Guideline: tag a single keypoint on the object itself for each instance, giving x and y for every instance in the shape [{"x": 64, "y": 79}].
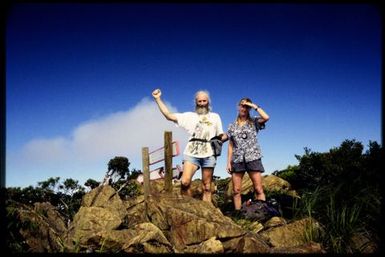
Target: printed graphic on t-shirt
[
  {"x": 202, "y": 127},
  {"x": 201, "y": 132}
]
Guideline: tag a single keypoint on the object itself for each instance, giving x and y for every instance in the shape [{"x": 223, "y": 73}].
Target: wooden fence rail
[{"x": 166, "y": 153}]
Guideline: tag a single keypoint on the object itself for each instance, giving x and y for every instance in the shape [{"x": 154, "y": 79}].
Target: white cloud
[
  {"x": 43, "y": 150},
  {"x": 124, "y": 133},
  {"x": 97, "y": 141}
]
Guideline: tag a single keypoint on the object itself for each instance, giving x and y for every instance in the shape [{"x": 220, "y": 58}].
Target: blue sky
[{"x": 79, "y": 79}]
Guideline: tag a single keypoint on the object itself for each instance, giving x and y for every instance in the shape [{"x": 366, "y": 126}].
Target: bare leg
[
  {"x": 256, "y": 178},
  {"x": 237, "y": 186},
  {"x": 189, "y": 170},
  {"x": 207, "y": 177}
]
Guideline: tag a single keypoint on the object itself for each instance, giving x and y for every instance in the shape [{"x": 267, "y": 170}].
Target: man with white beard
[{"x": 202, "y": 126}]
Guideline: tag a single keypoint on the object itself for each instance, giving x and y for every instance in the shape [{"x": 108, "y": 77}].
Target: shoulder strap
[{"x": 198, "y": 139}]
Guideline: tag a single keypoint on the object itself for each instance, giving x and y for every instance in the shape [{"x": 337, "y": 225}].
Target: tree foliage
[
  {"x": 119, "y": 165},
  {"x": 344, "y": 164},
  {"x": 334, "y": 183},
  {"x": 134, "y": 174},
  {"x": 91, "y": 183},
  {"x": 65, "y": 196}
]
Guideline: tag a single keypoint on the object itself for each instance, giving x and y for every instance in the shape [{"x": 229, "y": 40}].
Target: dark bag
[
  {"x": 216, "y": 145},
  {"x": 258, "y": 210}
]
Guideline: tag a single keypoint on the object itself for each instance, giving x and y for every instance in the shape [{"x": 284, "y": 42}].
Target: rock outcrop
[
  {"x": 269, "y": 182},
  {"x": 165, "y": 223}
]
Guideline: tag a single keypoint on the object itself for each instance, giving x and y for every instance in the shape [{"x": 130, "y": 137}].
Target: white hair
[{"x": 208, "y": 97}]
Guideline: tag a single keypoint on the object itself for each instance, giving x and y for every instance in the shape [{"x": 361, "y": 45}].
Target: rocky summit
[{"x": 165, "y": 223}]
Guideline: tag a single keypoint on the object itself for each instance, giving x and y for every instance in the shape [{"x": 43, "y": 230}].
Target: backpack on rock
[{"x": 258, "y": 210}]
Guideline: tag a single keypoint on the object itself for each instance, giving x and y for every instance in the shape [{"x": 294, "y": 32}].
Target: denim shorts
[
  {"x": 207, "y": 162},
  {"x": 255, "y": 165}
]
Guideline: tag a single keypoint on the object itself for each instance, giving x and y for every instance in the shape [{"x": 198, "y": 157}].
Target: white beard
[{"x": 201, "y": 110}]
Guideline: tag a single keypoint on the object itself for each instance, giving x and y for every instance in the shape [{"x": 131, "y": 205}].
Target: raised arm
[
  {"x": 264, "y": 116},
  {"x": 162, "y": 107}
]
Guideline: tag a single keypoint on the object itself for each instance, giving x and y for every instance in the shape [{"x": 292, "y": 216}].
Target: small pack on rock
[{"x": 257, "y": 210}]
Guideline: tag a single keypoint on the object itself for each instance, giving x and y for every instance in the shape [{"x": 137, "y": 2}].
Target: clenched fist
[{"x": 156, "y": 93}]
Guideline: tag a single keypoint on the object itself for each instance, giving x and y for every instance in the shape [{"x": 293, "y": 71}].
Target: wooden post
[
  {"x": 168, "y": 161},
  {"x": 146, "y": 174}
]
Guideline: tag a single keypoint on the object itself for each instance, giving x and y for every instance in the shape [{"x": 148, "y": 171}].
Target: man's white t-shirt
[{"x": 204, "y": 127}]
